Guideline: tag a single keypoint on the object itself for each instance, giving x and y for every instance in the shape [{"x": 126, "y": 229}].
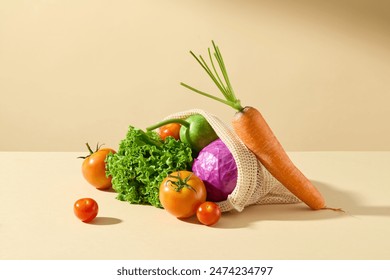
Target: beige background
[{"x": 77, "y": 71}]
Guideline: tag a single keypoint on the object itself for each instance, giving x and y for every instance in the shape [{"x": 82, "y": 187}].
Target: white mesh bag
[{"x": 255, "y": 185}]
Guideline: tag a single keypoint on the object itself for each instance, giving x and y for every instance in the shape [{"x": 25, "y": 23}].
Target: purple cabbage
[{"x": 217, "y": 168}]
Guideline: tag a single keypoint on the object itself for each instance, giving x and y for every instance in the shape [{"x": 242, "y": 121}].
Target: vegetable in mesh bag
[
  {"x": 255, "y": 185},
  {"x": 217, "y": 168}
]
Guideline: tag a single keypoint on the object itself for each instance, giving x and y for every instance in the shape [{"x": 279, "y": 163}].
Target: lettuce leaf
[{"x": 142, "y": 162}]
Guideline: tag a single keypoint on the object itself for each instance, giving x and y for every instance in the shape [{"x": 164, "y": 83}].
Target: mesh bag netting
[{"x": 255, "y": 185}]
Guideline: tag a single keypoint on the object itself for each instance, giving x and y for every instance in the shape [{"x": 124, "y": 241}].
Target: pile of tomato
[{"x": 182, "y": 193}]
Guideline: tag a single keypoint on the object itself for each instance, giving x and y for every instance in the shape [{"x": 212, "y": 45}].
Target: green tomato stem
[
  {"x": 89, "y": 148},
  {"x": 180, "y": 183}
]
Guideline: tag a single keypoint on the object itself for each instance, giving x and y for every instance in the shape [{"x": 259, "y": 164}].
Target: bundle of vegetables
[
  {"x": 239, "y": 167},
  {"x": 205, "y": 149},
  {"x": 142, "y": 162}
]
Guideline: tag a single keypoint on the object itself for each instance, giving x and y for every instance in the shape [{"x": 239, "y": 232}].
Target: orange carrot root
[
  {"x": 254, "y": 131},
  {"x": 333, "y": 209}
]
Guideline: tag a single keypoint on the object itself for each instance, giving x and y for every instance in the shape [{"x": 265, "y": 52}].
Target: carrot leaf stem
[
  {"x": 204, "y": 65},
  {"x": 222, "y": 66},
  {"x": 216, "y": 73},
  {"x": 229, "y": 103},
  {"x": 223, "y": 85}
]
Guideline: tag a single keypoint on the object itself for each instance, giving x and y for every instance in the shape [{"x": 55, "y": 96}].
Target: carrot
[{"x": 255, "y": 133}]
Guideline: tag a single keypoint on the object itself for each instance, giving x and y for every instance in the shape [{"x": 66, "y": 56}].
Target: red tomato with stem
[
  {"x": 86, "y": 209},
  {"x": 181, "y": 193},
  {"x": 172, "y": 129},
  {"x": 208, "y": 213},
  {"x": 94, "y": 167}
]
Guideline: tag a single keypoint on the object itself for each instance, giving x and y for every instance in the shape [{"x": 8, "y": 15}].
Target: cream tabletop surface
[{"x": 38, "y": 190}]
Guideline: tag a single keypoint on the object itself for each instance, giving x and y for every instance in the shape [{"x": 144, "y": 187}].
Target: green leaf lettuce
[{"x": 142, "y": 162}]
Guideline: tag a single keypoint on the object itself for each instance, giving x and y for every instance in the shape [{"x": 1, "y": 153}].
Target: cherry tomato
[
  {"x": 181, "y": 193},
  {"x": 172, "y": 129},
  {"x": 86, "y": 209},
  {"x": 208, "y": 213},
  {"x": 94, "y": 168}
]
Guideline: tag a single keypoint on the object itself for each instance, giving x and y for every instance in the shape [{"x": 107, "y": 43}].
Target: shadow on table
[
  {"x": 105, "y": 221},
  {"x": 349, "y": 202}
]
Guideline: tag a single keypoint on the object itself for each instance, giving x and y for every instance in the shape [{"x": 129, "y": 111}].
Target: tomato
[
  {"x": 86, "y": 209},
  {"x": 208, "y": 213},
  {"x": 181, "y": 193},
  {"x": 94, "y": 168},
  {"x": 171, "y": 129}
]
